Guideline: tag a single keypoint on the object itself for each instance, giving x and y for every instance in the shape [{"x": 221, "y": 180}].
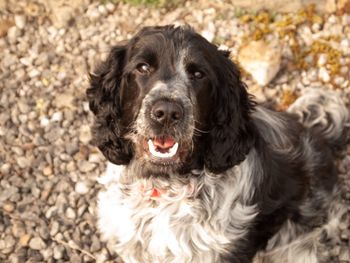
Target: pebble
[
  {"x": 58, "y": 252},
  {"x": 322, "y": 60},
  {"x": 37, "y": 243},
  {"x": 70, "y": 213},
  {"x": 324, "y": 75},
  {"x": 20, "y": 21},
  {"x": 12, "y": 34},
  {"x": 81, "y": 188},
  {"x": 85, "y": 134},
  {"x": 8, "y": 207},
  {"x": 24, "y": 240},
  {"x": 47, "y": 171},
  {"x": 7, "y": 244},
  {"x": 85, "y": 166},
  {"x": 23, "y": 162}
]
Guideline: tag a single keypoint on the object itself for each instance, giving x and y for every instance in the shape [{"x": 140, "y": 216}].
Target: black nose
[{"x": 167, "y": 112}]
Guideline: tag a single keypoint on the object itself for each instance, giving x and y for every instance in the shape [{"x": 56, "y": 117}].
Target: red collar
[{"x": 155, "y": 193}]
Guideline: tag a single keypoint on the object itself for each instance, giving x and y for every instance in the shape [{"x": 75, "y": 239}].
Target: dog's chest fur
[{"x": 192, "y": 220}]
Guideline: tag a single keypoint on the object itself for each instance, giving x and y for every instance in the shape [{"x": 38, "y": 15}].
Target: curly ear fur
[
  {"x": 104, "y": 101},
  {"x": 232, "y": 131}
]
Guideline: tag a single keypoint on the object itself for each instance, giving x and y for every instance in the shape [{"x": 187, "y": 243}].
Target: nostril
[
  {"x": 158, "y": 114},
  {"x": 176, "y": 115}
]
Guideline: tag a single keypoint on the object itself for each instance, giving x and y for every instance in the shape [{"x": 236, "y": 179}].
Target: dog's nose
[{"x": 167, "y": 112}]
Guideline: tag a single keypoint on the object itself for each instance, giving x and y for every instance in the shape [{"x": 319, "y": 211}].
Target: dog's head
[{"x": 171, "y": 101}]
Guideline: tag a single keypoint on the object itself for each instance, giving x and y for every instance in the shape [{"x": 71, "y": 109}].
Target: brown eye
[{"x": 143, "y": 68}]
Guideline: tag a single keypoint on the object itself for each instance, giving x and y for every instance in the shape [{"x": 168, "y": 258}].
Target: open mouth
[{"x": 163, "y": 147}]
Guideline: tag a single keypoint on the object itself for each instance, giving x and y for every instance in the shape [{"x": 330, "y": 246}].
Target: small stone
[
  {"x": 324, "y": 75},
  {"x": 57, "y": 116},
  {"x": 85, "y": 134},
  {"x": 322, "y": 60},
  {"x": 34, "y": 73},
  {"x": 345, "y": 43},
  {"x": 58, "y": 252},
  {"x": 64, "y": 100},
  {"x": 23, "y": 162},
  {"x": 54, "y": 228},
  {"x": 344, "y": 254},
  {"x": 44, "y": 122},
  {"x": 5, "y": 24},
  {"x": 24, "y": 240},
  {"x": 20, "y": 21},
  {"x": 261, "y": 59},
  {"x": 37, "y": 243},
  {"x": 12, "y": 35},
  {"x": 47, "y": 171},
  {"x": 70, "y": 213},
  {"x": 85, "y": 166},
  {"x": 103, "y": 10},
  {"x": 81, "y": 188},
  {"x": 96, "y": 244},
  {"x": 346, "y": 19},
  {"x": 76, "y": 259},
  {"x": 110, "y": 7},
  {"x": 62, "y": 16},
  {"x": 5, "y": 169},
  {"x": 339, "y": 80},
  {"x": 7, "y": 244},
  {"x": 8, "y": 207}
]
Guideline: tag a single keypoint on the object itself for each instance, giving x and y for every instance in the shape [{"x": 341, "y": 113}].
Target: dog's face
[{"x": 171, "y": 101}]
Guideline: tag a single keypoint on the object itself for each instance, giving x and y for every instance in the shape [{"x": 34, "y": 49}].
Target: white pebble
[
  {"x": 346, "y": 19},
  {"x": 102, "y": 9},
  {"x": 81, "y": 188},
  {"x": 345, "y": 43},
  {"x": 322, "y": 60},
  {"x": 33, "y": 73},
  {"x": 20, "y": 21},
  {"x": 110, "y": 7},
  {"x": 70, "y": 213},
  {"x": 44, "y": 121},
  {"x": 339, "y": 80},
  {"x": 324, "y": 75},
  {"x": 57, "y": 116}
]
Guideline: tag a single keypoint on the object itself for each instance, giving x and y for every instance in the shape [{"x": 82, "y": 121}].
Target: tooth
[{"x": 172, "y": 151}]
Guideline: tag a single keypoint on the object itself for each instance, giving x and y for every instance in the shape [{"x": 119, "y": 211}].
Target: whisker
[{"x": 200, "y": 131}]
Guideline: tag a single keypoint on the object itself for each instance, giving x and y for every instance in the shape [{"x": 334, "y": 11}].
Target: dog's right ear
[{"x": 104, "y": 101}]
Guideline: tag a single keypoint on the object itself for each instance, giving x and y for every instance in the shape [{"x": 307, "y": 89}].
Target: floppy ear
[
  {"x": 232, "y": 131},
  {"x": 104, "y": 101}
]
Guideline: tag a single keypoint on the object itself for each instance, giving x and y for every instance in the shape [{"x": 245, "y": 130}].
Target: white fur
[{"x": 177, "y": 226}]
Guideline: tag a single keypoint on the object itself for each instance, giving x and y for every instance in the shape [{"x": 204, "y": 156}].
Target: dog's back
[{"x": 325, "y": 119}]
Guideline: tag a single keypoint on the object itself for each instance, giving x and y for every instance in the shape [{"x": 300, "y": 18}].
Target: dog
[{"x": 198, "y": 171}]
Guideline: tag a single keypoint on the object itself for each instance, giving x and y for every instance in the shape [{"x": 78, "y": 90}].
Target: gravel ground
[{"x": 48, "y": 169}]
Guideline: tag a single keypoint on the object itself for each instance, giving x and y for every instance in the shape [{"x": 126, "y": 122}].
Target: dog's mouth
[{"x": 163, "y": 149}]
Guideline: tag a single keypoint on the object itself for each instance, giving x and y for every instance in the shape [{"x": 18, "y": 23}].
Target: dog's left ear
[
  {"x": 232, "y": 131},
  {"x": 105, "y": 102}
]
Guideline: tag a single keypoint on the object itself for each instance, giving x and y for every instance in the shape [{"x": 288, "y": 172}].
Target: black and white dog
[{"x": 200, "y": 172}]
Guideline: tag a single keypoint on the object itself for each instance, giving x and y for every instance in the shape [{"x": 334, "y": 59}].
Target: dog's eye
[
  {"x": 143, "y": 68},
  {"x": 198, "y": 74}
]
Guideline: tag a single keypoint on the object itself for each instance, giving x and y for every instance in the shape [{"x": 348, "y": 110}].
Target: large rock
[{"x": 260, "y": 59}]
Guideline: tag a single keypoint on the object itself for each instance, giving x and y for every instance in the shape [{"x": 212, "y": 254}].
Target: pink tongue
[{"x": 164, "y": 142}]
